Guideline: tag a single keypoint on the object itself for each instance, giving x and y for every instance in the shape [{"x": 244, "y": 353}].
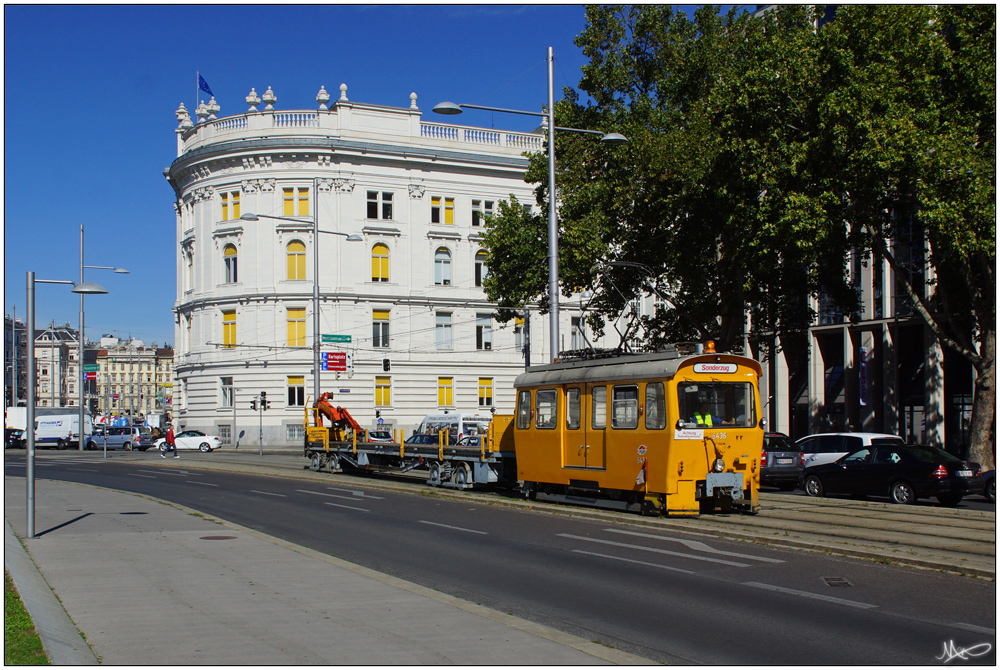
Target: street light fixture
[
  {"x": 82, "y": 397},
  {"x": 83, "y": 289},
  {"x": 611, "y": 139},
  {"x": 250, "y": 216}
]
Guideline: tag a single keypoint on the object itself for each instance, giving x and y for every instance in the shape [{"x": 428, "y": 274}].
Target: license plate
[
  {"x": 785, "y": 461},
  {"x": 964, "y": 473}
]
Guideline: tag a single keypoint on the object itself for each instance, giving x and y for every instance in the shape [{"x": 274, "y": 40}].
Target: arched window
[
  {"x": 442, "y": 267},
  {"x": 480, "y": 267},
  {"x": 296, "y": 260},
  {"x": 380, "y": 262},
  {"x": 229, "y": 256}
]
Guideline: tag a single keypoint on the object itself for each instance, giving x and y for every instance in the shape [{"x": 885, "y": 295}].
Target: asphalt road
[{"x": 671, "y": 597}]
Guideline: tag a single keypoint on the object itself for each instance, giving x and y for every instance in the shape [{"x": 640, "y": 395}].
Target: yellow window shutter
[
  {"x": 225, "y": 206},
  {"x": 236, "y": 205},
  {"x": 449, "y": 210},
  {"x": 289, "y": 201},
  {"x": 303, "y": 202},
  {"x": 380, "y": 315}
]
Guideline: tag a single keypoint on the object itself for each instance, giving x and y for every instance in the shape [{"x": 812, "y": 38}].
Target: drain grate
[
  {"x": 836, "y": 581},
  {"x": 218, "y": 537}
]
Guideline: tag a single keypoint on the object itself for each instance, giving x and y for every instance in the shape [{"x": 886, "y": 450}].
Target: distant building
[
  {"x": 134, "y": 380},
  {"x": 56, "y": 374},
  {"x": 15, "y": 354},
  {"x": 406, "y": 304}
]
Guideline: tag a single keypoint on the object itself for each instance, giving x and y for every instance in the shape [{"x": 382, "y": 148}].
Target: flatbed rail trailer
[{"x": 476, "y": 460}]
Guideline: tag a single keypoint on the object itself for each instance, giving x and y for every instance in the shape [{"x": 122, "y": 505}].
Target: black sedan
[{"x": 904, "y": 473}]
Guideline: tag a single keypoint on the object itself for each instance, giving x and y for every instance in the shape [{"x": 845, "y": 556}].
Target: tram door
[
  {"x": 574, "y": 437},
  {"x": 595, "y": 424}
]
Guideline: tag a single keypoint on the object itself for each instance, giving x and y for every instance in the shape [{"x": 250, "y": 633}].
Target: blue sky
[{"x": 89, "y": 122}]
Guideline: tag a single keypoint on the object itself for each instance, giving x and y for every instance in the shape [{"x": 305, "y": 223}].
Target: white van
[
  {"x": 457, "y": 424},
  {"x": 60, "y": 430}
]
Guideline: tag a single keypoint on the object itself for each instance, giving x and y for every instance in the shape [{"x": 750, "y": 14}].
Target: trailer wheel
[
  {"x": 317, "y": 463},
  {"x": 434, "y": 474},
  {"x": 462, "y": 476}
]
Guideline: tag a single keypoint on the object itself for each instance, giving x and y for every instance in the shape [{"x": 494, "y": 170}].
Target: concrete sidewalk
[{"x": 148, "y": 583}]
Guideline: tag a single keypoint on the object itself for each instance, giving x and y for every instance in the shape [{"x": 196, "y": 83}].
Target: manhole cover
[
  {"x": 836, "y": 581},
  {"x": 218, "y": 537}
]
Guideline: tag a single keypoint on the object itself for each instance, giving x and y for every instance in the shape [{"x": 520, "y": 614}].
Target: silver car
[{"x": 829, "y": 447}]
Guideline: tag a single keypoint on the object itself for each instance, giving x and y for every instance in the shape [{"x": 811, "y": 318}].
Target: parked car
[
  {"x": 110, "y": 437},
  {"x": 828, "y": 447},
  {"x": 142, "y": 438},
  {"x": 902, "y": 472},
  {"x": 13, "y": 438},
  {"x": 380, "y": 436},
  {"x": 780, "y": 462},
  {"x": 990, "y": 485},
  {"x": 191, "y": 439},
  {"x": 422, "y": 438}
]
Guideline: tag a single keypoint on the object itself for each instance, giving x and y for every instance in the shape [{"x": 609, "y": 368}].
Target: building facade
[
  {"x": 56, "y": 374},
  {"x": 405, "y": 306},
  {"x": 133, "y": 380},
  {"x": 15, "y": 352}
]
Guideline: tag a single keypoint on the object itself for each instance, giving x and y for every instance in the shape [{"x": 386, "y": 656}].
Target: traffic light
[
  {"x": 265, "y": 404},
  {"x": 253, "y": 405},
  {"x": 385, "y": 364}
]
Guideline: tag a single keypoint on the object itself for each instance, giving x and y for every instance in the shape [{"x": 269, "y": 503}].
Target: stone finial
[
  {"x": 413, "y": 101},
  {"x": 253, "y": 100},
  {"x": 269, "y": 98},
  {"x": 213, "y": 108},
  {"x": 322, "y": 98},
  {"x": 201, "y": 112},
  {"x": 183, "y": 118},
  {"x": 343, "y": 93}
]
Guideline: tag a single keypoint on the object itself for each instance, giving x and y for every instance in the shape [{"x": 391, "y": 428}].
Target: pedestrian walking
[{"x": 170, "y": 444}]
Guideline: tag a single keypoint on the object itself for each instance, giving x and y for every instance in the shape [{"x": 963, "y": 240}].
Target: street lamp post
[
  {"x": 450, "y": 108},
  {"x": 80, "y": 373},
  {"x": 250, "y": 216},
  {"x": 82, "y": 289}
]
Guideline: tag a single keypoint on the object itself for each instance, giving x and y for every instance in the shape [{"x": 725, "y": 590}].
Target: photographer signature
[{"x": 951, "y": 652}]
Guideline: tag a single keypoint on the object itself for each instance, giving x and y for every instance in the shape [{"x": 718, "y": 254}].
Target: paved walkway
[{"x": 151, "y": 583}]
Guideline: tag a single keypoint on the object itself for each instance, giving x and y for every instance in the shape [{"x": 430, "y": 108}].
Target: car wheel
[
  {"x": 127, "y": 446},
  {"x": 813, "y": 486},
  {"x": 950, "y": 499},
  {"x": 991, "y": 491},
  {"x": 61, "y": 445},
  {"x": 90, "y": 446},
  {"x": 902, "y": 493},
  {"x": 163, "y": 447},
  {"x": 205, "y": 447}
]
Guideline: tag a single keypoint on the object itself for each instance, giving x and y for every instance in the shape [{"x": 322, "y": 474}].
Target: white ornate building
[{"x": 409, "y": 296}]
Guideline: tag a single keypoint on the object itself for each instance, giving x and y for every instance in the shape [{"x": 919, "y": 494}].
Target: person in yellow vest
[{"x": 704, "y": 418}]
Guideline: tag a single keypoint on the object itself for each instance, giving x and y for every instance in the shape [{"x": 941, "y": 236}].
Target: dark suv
[{"x": 780, "y": 462}]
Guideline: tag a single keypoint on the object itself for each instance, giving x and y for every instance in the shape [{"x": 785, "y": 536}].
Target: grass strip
[{"x": 21, "y": 644}]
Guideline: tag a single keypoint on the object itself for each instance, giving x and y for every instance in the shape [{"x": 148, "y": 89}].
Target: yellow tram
[{"x": 677, "y": 432}]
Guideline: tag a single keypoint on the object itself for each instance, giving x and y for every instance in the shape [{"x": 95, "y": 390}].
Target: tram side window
[
  {"x": 656, "y": 406},
  {"x": 572, "y": 409},
  {"x": 599, "y": 414},
  {"x": 524, "y": 410},
  {"x": 545, "y": 409},
  {"x": 625, "y": 407}
]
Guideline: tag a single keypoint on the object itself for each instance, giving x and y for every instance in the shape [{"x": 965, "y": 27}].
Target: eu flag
[{"x": 203, "y": 85}]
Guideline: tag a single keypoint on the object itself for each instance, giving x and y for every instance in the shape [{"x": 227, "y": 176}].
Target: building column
[
  {"x": 816, "y": 384},
  {"x": 851, "y": 395},
  {"x": 933, "y": 429},
  {"x": 890, "y": 381}
]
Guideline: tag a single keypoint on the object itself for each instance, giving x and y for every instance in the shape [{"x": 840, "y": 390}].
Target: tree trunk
[{"x": 982, "y": 449}]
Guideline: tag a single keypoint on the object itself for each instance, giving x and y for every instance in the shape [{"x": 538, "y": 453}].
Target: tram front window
[{"x": 714, "y": 404}]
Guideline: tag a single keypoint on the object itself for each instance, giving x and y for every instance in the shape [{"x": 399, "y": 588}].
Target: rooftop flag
[{"x": 203, "y": 85}]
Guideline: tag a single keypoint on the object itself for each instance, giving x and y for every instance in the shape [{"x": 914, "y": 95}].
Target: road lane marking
[
  {"x": 359, "y": 494},
  {"x": 81, "y": 470},
  {"x": 972, "y": 628},
  {"x": 814, "y": 596},
  {"x": 191, "y": 481},
  {"x": 267, "y": 493},
  {"x": 695, "y": 545},
  {"x": 443, "y": 525},
  {"x": 655, "y": 550},
  {"x": 132, "y": 474},
  {"x": 360, "y": 509},
  {"x": 632, "y": 560},
  {"x": 161, "y": 472}
]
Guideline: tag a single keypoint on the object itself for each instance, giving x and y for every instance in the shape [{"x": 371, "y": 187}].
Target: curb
[{"x": 62, "y": 641}]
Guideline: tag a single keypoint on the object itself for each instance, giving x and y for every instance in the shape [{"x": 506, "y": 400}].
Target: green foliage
[{"x": 21, "y": 645}]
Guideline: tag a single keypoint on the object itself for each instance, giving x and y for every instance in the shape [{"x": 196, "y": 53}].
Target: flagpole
[{"x": 197, "y": 88}]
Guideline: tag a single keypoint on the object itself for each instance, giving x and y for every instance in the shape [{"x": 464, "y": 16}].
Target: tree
[{"x": 908, "y": 114}]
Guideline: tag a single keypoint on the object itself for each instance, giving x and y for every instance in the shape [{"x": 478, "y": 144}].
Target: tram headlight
[{"x": 718, "y": 465}]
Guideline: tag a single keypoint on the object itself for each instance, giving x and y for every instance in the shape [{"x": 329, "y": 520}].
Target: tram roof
[{"x": 631, "y": 366}]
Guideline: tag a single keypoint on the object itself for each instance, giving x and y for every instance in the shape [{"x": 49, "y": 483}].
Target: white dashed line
[
  {"x": 442, "y": 525},
  {"x": 630, "y": 560},
  {"x": 657, "y": 551},
  {"x": 267, "y": 493},
  {"x": 814, "y": 596}
]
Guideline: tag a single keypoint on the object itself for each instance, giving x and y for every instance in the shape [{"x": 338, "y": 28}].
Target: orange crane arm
[{"x": 338, "y": 416}]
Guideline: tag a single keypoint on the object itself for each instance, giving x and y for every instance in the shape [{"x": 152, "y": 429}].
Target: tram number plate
[
  {"x": 785, "y": 461},
  {"x": 964, "y": 473}
]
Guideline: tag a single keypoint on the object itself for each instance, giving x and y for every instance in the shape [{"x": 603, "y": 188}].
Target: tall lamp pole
[
  {"x": 250, "y": 216},
  {"x": 612, "y": 139},
  {"x": 82, "y": 289},
  {"x": 80, "y": 373}
]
